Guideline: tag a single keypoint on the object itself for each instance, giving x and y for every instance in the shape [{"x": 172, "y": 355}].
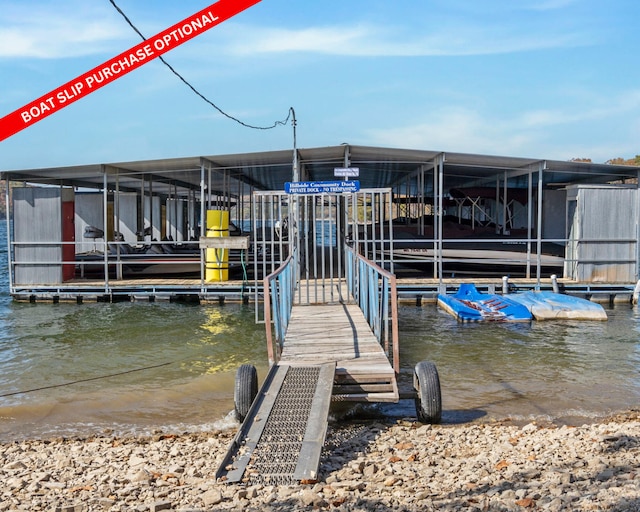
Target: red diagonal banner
[{"x": 121, "y": 65}]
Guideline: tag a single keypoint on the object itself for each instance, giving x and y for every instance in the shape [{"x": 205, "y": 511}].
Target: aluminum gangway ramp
[
  {"x": 281, "y": 439},
  {"x": 329, "y": 354}
]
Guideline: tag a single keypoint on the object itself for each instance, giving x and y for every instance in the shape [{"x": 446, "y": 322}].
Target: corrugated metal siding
[
  {"x": 605, "y": 225},
  {"x": 175, "y": 219},
  {"x": 128, "y": 216},
  {"x": 38, "y": 222},
  {"x": 553, "y": 214},
  {"x": 89, "y": 212}
]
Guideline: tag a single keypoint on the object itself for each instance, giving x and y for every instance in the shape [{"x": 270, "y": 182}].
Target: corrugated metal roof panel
[{"x": 380, "y": 167}]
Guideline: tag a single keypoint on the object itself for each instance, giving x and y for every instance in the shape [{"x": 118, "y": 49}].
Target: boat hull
[
  {"x": 469, "y": 305},
  {"x": 556, "y": 306}
]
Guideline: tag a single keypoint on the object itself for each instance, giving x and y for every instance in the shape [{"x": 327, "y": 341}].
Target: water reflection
[
  {"x": 230, "y": 339},
  {"x": 97, "y": 364},
  {"x": 551, "y": 369},
  {"x": 142, "y": 365}
]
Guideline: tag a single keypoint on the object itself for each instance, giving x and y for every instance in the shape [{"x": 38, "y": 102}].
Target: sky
[{"x": 548, "y": 79}]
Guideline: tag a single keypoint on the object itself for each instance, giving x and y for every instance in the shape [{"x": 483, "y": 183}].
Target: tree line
[{"x": 613, "y": 161}]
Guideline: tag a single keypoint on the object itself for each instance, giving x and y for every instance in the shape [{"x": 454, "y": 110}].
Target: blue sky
[{"x": 552, "y": 79}]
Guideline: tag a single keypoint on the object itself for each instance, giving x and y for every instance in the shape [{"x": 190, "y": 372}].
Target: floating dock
[
  {"x": 410, "y": 290},
  {"x": 436, "y": 214}
]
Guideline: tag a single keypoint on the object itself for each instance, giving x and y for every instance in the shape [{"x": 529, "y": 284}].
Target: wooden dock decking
[{"x": 339, "y": 333}]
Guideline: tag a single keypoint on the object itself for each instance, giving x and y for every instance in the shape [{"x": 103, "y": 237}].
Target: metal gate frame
[{"x": 317, "y": 227}]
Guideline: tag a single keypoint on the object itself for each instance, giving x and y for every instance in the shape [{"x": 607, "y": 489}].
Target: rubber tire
[
  {"x": 245, "y": 391},
  {"x": 429, "y": 398}
]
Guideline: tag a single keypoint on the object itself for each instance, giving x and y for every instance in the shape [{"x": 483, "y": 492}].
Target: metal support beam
[
  {"x": 529, "y": 223},
  {"x": 637, "y": 274},
  {"x": 438, "y": 178},
  {"x": 541, "y": 167},
  {"x": 203, "y": 218},
  {"x": 105, "y": 250},
  {"x": 7, "y": 199}
]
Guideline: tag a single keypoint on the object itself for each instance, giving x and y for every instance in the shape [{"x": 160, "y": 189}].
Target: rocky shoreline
[{"x": 373, "y": 466}]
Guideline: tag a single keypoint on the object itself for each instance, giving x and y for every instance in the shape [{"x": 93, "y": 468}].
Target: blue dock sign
[{"x": 321, "y": 187}]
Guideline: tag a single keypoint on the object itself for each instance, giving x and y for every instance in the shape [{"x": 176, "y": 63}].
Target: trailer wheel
[
  {"x": 246, "y": 389},
  {"x": 428, "y": 398}
]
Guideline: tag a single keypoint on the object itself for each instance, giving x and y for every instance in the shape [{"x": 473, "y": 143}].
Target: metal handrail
[
  {"x": 375, "y": 290},
  {"x": 279, "y": 288}
]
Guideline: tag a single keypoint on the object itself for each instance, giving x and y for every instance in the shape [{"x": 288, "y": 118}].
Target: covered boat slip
[{"x": 101, "y": 227}]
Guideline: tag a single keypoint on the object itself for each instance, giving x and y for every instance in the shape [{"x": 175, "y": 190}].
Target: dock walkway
[
  {"x": 339, "y": 333},
  {"x": 329, "y": 354}
]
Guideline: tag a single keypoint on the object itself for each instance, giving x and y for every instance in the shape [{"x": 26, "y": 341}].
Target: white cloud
[
  {"x": 69, "y": 29},
  {"x": 620, "y": 105},
  {"x": 531, "y": 133},
  {"x": 453, "y": 129},
  {"x": 373, "y": 40},
  {"x": 48, "y": 32}
]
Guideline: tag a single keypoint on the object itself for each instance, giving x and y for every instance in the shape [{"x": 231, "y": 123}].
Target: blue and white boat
[
  {"x": 545, "y": 305},
  {"x": 469, "y": 305}
]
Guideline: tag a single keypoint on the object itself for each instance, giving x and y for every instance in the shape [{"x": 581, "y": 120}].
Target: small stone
[
  {"x": 105, "y": 503},
  {"x": 54, "y": 485},
  {"x": 555, "y": 505},
  {"x": 141, "y": 476},
  {"x": 16, "y": 483},
  {"x": 351, "y": 485},
  {"x": 71, "y": 508},
  {"x": 391, "y": 481},
  {"x": 509, "y": 494},
  {"x": 15, "y": 465},
  {"x": 604, "y": 475},
  {"x": 422, "y": 495},
  {"x": 370, "y": 470},
  {"x": 212, "y": 497},
  {"x": 567, "y": 479},
  {"x": 309, "y": 498},
  {"x": 136, "y": 461},
  {"x": 176, "y": 469},
  {"x": 161, "y": 505}
]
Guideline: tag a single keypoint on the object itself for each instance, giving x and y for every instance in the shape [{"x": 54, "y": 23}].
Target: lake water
[{"x": 70, "y": 369}]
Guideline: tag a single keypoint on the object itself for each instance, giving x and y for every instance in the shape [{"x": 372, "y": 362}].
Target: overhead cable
[{"x": 198, "y": 93}]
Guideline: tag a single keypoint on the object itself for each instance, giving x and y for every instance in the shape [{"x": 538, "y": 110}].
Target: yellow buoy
[{"x": 217, "y": 260}]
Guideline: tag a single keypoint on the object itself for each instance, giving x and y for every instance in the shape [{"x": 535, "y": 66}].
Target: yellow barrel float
[{"x": 217, "y": 260}]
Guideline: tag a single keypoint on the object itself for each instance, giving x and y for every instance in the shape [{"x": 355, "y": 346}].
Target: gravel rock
[{"x": 401, "y": 465}]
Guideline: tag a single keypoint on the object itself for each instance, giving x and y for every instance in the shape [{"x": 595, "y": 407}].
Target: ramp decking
[
  {"x": 329, "y": 353},
  {"x": 282, "y": 436},
  {"x": 324, "y": 333}
]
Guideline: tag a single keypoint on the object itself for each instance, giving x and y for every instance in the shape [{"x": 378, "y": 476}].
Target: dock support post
[
  {"x": 554, "y": 283},
  {"x": 505, "y": 285},
  {"x": 636, "y": 292}
]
